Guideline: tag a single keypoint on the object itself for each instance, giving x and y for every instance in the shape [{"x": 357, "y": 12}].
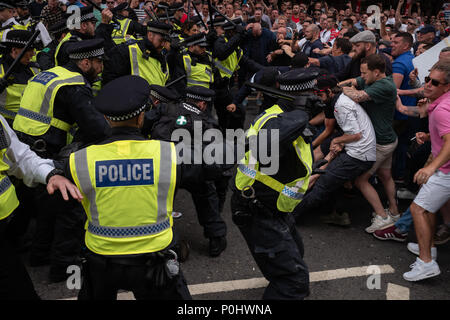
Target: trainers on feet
[
  {"x": 442, "y": 234},
  {"x": 340, "y": 219},
  {"x": 394, "y": 217},
  {"x": 390, "y": 233},
  {"x": 414, "y": 248},
  {"x": 405, "y": 194},
  {"x": 379, "y": 223},
  {"x": 421, "y": 270}
]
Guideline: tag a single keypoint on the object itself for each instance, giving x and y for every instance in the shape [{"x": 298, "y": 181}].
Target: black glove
[
  {"x": 211, "y": 37},
  {"x": 3, "y": 84}
]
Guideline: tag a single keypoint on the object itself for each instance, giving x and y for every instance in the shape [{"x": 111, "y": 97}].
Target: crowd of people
[{"x": 336, "y": 79}]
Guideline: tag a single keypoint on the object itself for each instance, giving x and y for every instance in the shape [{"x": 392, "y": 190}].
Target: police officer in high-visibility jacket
[
  {"x": 55, "y": 104},
  {"x": 195, "y": 62},
  {"x": 145, "y": 58},
  {"x": 128, "y": 184},
  {"x": 16, "y": 159},
  {"x": 85, "y": 31},
  {"x": 228, "y": 58},
  {"x": 128, "y": 28},
  {"x": 46, "y": 57},
  {"x": 11, "y": 89},
  {"x": 266, "y": 192}
]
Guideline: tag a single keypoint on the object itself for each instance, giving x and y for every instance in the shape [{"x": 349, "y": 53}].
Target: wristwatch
[{"x": 54, "y": 172}]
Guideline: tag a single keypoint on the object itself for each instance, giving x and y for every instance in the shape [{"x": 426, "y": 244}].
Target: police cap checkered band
[
  {"x": 197, "y": 97},
  {"x": 87, "y": 17},
  {"x": 158, "y": 30},
  {"x": 156, "y": 95},
  {"x": 86, "y": 55},
  {"x": 298, "y": 86},
  {"x": 200, "y": 42},
  {"x": 13, "y": 42},
  {"x": 4, "y": 5},
  {"x": 127, "y": 116}
]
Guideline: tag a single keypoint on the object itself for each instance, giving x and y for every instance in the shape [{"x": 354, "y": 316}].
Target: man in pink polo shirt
[{"x": 435, "y": 177}]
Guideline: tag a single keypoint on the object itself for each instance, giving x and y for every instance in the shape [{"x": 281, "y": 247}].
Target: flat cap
[
  {"x": 86, "y": 49},
  {"x": 200, "y": 93},
  {"x": 16, "y": 38},
  {"x": 297, "y": 80},
  {"x": 196, "y": 39},
  {"x": 159, "y": 27},
  {"x": 365, "y": 36},
  {"x": 427, "y": 29},
  {"x": 163, "y": 94},
  {"x": 123, "y": 98}
]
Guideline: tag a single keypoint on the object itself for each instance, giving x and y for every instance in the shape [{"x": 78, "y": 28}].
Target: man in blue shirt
[
  {"x": 406, "y": 126},
  {"x": 312, "y": 34}
]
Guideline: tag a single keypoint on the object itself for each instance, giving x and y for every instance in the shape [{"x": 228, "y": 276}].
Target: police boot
[{"x": 217, "y": 245}]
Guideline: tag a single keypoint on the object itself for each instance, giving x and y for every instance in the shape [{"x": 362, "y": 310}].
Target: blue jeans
[{"x": 405, "y": 222}]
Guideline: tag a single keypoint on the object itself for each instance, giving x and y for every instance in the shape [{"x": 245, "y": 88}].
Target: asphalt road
[{"x": 327, "y": 248}]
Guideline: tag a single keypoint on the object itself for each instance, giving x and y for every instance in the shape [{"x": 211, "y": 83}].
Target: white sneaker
[
  {"x": 380, "y": 223},
  {"x": 405, "y": 194},
  {"x": 414, "y": 248},
  {"x": 394, "y": 217},
  {"x": 422, "y": 270}
]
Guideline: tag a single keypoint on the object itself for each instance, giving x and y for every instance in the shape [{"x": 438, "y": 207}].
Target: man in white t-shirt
[{"x": 354, "y": 152}]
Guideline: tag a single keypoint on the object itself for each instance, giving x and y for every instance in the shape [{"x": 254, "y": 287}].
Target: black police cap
[
  {"x": 17, "y": 38},
  {"x": 163, "y": 94},
  {"x": 196, "y": 39},
  {"x": 86, "y": 49},
  {"x": 176, "y": 6},
  {"x": 230, "y": 26},
  {"x": 199, "y": 93},
  {"x": 159, "y": 27},
  {"x": 59, "y": 26},
  {"x": 218, "y": 21},
  {"x": 87, "y": 14},
  {"x": 196, "y": 19},
  {"x": 297, "y": 80},
  {"x": 22, "y": 4},
  {"x": 123, "y": 98}
]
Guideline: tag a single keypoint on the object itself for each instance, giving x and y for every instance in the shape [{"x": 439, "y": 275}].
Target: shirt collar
[{"x": 432, "y": 106}]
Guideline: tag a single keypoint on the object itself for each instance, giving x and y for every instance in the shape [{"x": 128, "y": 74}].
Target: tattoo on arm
[{"x": 358, "y": 95}]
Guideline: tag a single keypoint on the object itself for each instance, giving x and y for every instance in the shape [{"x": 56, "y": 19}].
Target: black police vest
[{"x": 178, "y": 116}]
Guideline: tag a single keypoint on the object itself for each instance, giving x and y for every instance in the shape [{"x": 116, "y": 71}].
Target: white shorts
[{"x": 435, "y": 193}]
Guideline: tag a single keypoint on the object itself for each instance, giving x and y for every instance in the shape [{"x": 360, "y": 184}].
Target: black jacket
[{"x": 46, "y": 57}]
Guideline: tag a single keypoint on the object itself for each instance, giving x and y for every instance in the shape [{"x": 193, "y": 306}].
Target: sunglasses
[{"x": 434, "y": 82}]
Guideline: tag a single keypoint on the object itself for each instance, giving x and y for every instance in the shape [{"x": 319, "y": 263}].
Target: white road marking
[
  {"x": 396, "y": 292},
  {"x": 255, "y": 283}
]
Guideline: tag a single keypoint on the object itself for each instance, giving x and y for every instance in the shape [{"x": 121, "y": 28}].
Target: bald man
[{"x": 312, "y": 35}]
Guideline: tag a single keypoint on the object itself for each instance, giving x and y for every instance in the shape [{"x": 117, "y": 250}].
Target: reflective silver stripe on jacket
[
  {"x": 221, "y": 67},
  {"x": 5, "y": 184},
  {"x": 134, "y": 61},
  {"x": 82, "y": 169},
  {"x": 45, "y": 106},
  {"x": 123, "y": 30}
]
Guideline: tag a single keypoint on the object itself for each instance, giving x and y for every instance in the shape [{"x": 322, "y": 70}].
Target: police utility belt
[{"x": 253, "y": 207}]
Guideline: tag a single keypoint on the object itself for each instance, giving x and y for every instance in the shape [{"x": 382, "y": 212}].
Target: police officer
[
  {"x": 52, "y": 103},
  {"x": 144, "y": 58},
  {"x": 25, "y": 19},
  {"x": 195, "y": 62},
  {"x": 128, "y": 28},
  {"x": 177, "y": 12},
  {"x": 11, "y": 89},
  {"x": 9, "y": 22},
  {"x": 85, "y": 32},
  {"x": 16, "y": 159},
  {"x": 46, "y": 57},
  {"x": 266, "y": 194},
  {"x": 129, "y": 229}
]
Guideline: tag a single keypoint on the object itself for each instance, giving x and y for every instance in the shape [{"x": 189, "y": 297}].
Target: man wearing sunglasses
[{"x": 435, "y": 177}]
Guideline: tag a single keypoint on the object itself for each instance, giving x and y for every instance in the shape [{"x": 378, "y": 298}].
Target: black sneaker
[{"x": 217, "y": 245}]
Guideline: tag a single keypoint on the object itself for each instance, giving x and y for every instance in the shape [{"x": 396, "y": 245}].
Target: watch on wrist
[{"x": 54, "y": 172}]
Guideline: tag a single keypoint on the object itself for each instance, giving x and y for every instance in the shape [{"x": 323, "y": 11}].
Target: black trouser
[
  {"x": 206, "y": 203},
  {"x": 227, "y": 119},
  {"x": 104, "y": 276},
  {"x": 277, "y": 248},
  {"x": 15, "y": 283},
  {"x": 340, "y": 170},
  {"x": 59, "y": 228}
]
